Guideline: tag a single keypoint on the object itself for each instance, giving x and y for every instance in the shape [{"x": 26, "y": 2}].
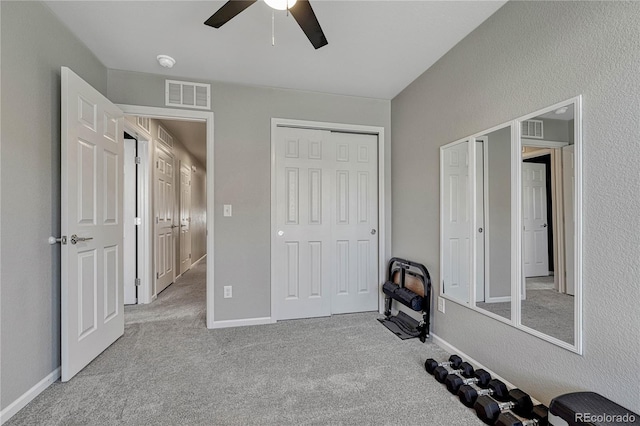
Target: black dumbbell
[
  {"x": 488, "y": 409},
  {"x": 539, "y": 417},
  {"x": 431, "y": 364},
  {"x": 481, "y": 378},
  {"x": 495, "y": 389},
  {"x": 465, "y": 369}
]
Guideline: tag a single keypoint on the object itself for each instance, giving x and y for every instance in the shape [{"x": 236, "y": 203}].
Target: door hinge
[
  {"x": 137, "y": 281},
  {"x": 138, "y": 160},
  {"x": 157, "y": 275},
  {"x": 189, "y": 255},
  {"x": 157, "y": 164},
  {"x": 137, "y": 221}
]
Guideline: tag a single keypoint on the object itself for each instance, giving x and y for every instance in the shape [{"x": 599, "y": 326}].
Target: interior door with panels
[
  {"x": 92, "y": 309},
  {"x": 164, "y": 195},
  {"x": 534, "y": 216},
  {"x": 354, "y": 214},
  {"x": 302, "y": 259}
]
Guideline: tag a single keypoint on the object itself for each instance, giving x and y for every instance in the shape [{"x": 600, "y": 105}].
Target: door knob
[
  {"x": 280, "y": 233},
  {"x": 480, "y": 230},
  {"x": 544, "y": 226},
  {"x": 373, "y": 232},
  {"x": 61, "y": 240},
  {"x": 75, "y": 239},
  {"x": 174, "y": 226}
]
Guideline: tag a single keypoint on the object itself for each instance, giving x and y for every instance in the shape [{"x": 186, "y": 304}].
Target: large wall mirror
[{"x": 511, "y": 223}]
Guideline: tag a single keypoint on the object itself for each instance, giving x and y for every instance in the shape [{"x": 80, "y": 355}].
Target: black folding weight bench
[{"x": 408, "y": 283}]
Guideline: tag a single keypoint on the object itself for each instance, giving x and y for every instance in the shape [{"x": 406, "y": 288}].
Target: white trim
[
  {"x": 382, "y": 220},
  {"x": 208, "y": 118},
  {"x": 242, "y": 322},
  {"x": 29, "y": 396},
  {"x": 499, "y": 299},
  {"x": 145, "y": 241},
  {"x": 540, "y": 143},
  {"x": 452, "y": 349}
]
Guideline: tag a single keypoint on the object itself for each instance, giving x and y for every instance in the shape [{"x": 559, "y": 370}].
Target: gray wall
[
  {"x": 530, "y": 55},
  {"x": 242, "y": 172},
  {"x": 498, "y": 208},
  {"x": 34, "y": 46}
]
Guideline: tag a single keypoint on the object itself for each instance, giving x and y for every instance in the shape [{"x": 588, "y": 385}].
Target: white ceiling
[
  {"x": 376, "y": 48},
  {"x": 192, "y": 134}
]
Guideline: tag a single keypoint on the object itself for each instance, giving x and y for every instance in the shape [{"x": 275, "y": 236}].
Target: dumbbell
[
  {"x": 539, "y": 417},
  {"x": 481, "y": 378},
  {"x": 465, "y": 369},
  {"x": 488, "y": 409},
  {"x": 431, "y": 364},
  {"x": 495, "y": 389}
]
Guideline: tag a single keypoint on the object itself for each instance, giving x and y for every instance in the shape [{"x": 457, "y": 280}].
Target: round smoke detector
[{"x": 166, "y": 61}]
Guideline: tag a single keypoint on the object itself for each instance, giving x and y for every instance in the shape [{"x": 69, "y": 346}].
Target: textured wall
[
  {"x": 34, "y": 47},
  {"x": 527, "y": 56},
  {"x": 242, "y": 172}
]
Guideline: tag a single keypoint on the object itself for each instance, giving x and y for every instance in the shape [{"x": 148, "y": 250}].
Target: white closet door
[
  {"x": 456, "y": 221},
  {"x": 185, "y": 218},
  {"x": 354, "y": 214},
  {"x": 92, "y": 309},
  {"x": 303, "y": 257},
  {"x": 326, "y": 255}
]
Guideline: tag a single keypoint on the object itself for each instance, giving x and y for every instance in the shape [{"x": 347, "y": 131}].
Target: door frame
[
  {"x": 188, "y": 115},
  {"x": 382, "y": 216}
]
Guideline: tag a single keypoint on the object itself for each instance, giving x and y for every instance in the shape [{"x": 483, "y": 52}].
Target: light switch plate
[
  {"x": 441, "y": 304},
  {"x": 228, "y": 292},
  {"x": 227, "y": 210}
]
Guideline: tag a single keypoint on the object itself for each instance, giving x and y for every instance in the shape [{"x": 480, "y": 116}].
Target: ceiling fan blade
[
  {"x": 306, "y": 18},
  {"x": 229, "y": 10}
]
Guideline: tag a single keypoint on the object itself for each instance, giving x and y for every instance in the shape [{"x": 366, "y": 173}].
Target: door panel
[
  {"x": 302, "y": 259},
  {"x": 355, "y": 227},
  {"x": 92, "y": 314},
  {"x": 129, "y": 202},
  {"x": 456, "y": 221},
  {"x": 165, "y": 205},
  {"x": 185, "y": 218},
  {"x": 534, "y": 208}
]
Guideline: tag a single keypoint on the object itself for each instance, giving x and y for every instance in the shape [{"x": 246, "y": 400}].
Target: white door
[
  {"x": 325, "y": 260},
  {"x": 164, "y": 195},
  {"x": 185, "y": 218},
  {"x": 480, "y": 225},
  {"x": 456, "y": 221},
  {"x": 569, "y": 177},
  {"x": 92, "y": 316},
  {"x": 354, "y": 217},
  {"x": 534, "y": 208},
  {"x": 129, "y": 221}
]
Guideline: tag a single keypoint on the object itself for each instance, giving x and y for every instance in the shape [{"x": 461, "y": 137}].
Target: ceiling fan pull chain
[{"x": 273, "y": 28}]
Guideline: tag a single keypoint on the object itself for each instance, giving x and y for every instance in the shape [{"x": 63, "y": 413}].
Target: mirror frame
[{"x": 516, "y": 226}]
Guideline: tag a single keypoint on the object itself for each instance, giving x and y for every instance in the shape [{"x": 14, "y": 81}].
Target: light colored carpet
[
  {"x": 547, "y": 311},
  {"x": 168, "y": 369}
]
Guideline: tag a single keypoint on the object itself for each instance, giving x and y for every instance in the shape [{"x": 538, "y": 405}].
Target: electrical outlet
[
  {"x": 228, "y": 293},
  {"x": 441, "y": 304},
  {"x": 227, "y": 210}
]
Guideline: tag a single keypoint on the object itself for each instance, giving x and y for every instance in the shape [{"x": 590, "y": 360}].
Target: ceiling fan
[{"x": 300, "y": 9}]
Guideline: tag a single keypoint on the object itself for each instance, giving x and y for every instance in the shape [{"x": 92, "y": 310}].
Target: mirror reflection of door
[{"x": 547, "y": 224}]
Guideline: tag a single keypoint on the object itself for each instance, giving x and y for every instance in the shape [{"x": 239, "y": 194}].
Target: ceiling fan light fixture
[
  {"x": 166, "y": 61},
  {"x": 561, "y": 110},
  {"x": 280, "y": 4}
]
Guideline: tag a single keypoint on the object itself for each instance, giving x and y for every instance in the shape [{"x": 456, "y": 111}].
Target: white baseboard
[
  {"x": 28, "y": 396},
  {"x": 196, "y": 262},
  {"x": 498, "y": 299},
  {"x": 242, "y": 322},
  {"x": 453, "y": 350}
]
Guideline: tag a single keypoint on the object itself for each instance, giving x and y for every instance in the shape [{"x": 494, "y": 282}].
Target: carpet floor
[{"x": 169, "y": 369}]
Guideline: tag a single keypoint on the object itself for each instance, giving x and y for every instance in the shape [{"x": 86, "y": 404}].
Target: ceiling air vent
[
  {"x": 187, "y": 94},
  {"x": 532, "y": 129},
  {"x": 165, "y": 137}
]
